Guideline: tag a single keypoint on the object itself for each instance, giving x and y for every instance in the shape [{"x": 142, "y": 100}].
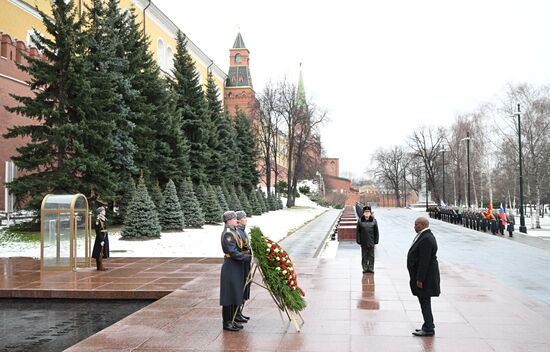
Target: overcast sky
[{"x": 380, "y": 68}]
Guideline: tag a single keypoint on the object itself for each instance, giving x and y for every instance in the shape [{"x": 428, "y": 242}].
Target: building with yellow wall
[{"x": 17, "y": 20}]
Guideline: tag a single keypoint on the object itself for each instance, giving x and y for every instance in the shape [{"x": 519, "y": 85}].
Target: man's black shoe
[
  {"x": 230, "y": 327},
  {"x": 423, "y": 333},
  {"x": 240, "y": 319},
  {"x": 237, "y": 325},
  {"x": 243, "y": 316}
]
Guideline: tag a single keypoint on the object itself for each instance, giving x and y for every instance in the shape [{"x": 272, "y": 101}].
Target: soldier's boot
[
  {"x": 241, "y": 315},
  {"x": 234, "y": 314},
  {"x": 227, "y": 317}
]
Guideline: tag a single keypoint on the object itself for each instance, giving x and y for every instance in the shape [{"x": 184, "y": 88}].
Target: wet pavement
[
  {"x": 483, "y": 306},
  {"x": 494, "y": 298},
  {"x": 308, "y": 240}
]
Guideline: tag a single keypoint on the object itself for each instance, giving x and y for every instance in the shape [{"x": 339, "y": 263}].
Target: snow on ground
[{"x": 203, "y": 242}]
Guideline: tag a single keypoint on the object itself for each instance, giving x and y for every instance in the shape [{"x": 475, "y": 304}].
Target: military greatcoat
[
  {"x": 246, "y": 265},
  {"x": 232, "y": 274}
]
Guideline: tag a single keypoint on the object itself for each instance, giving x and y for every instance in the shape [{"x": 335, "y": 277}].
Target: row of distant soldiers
[{"x": 484, "y": 220}]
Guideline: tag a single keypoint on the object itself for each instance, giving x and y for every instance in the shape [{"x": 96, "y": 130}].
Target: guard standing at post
[
  {"x": 241, "y": 227},
  {"x": 232, "y": 273},
  {"x": 101, "y": 243}
]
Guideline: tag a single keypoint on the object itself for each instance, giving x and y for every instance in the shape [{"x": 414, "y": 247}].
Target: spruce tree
[
  {"x": 190, "y": 102},
  {"x": 272, "y": 201},
  {"x": 156, "y": 194},
  {"x": 256, "y": 207},
  {"x": 63, "y": 153},
  {"x": 221, "y": 198},
  {"x": 107, "y": 66},
  {"x": 126, "y": 192},
  {"x": 261, "y": 201},
  {"x": 243, "y": 199},
  {"x": 150, "y": 105},
  {"x": 215, "y": 169},
  {"x": 233, "y": 202},
  {"x": 226, "y": 194},
  {"x": 212, "y": 212},
  {"x": 141, "y": 218},
  {"x": 229, "y": 149},
  {"x": 190, "y": 206},
  {"x": 247, "y": 151},
  {"x": 201, "y": 193},
  {"x": 170, "y": 214}
]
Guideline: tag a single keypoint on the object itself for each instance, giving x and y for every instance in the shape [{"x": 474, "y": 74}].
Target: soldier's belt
[
  {"x": 227, "y": 255},
  {"x": 103, "y": 230}
]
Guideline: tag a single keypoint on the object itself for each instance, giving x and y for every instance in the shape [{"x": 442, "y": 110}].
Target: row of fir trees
[
  {"x": 174, "y": 209},
  {"x": 104, "y": 114}
]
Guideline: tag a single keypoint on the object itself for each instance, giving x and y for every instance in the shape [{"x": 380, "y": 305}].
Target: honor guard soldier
[
  {"x": 241, "y": 227},
  {"x": 101, "y": 244},
  {"x": 232, "y": 273}
]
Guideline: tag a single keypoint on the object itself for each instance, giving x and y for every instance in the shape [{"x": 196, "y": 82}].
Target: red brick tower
[{"x": 239, "y": 93}]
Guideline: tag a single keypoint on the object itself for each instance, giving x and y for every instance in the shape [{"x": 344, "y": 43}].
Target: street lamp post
[
  {"x": 522, "y": 227},
  {"x": 467, "y": 139},
  {"x": 443, "y": 161},
  {"x": 405, "y": 187},
  {"x": 469, "y": 177}
]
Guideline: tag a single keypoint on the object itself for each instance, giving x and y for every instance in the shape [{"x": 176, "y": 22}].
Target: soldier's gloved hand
[
  {"x": 102, "y": 243},
  {"x": 248, "y": 258}
]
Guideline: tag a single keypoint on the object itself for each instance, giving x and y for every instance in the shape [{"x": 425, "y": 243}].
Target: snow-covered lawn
[{"x": 203, "y": 242}]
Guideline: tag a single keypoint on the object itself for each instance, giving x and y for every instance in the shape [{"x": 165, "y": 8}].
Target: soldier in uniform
[
  {"x": 232, "y": 273},
  {"x": 101, "y": 243},
  {"x": 241, "y": 227}
]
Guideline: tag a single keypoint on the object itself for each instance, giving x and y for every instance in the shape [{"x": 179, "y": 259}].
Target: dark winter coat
[
  {"x": 422, "y": 265},
  {"x": 366, "y": 233},
  {"x": 101, "y": 235},
  {"x": 246, "y": 265},
  {"x": 511, "y": 222},
  {"x": 232, "y": 273}
]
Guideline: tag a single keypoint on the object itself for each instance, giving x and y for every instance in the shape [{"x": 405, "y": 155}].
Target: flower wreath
[{"x": 278, "y": 271}]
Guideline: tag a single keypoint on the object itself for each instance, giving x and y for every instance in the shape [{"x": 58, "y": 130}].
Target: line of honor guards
[
  {"x": 495, "y": 221},
  {"x": 234, "y": 273}
]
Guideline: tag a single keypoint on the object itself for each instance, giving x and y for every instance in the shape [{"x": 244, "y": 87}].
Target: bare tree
[
  {"x": 426, "y": 142},
  {"x": 390, "y": 167},
  {"x": 269, "y": 118},
  {"x": 535, "y": 127}
]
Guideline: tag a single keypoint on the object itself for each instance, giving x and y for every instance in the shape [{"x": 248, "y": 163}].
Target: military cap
[
  {"x": 100, "y": 209},
  {"x": 240, "y": 214},
  {"x": 366, "y": 207},
  {"x": 228, "y": 215}
]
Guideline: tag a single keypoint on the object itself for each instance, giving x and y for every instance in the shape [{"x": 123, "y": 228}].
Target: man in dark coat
[
  {"x": 241, "y": 227},
  {"x": 367, "y": 236},
  {"x": 424, "y": 273},
  {"x": 101, "y": 243},
  {"x": 232, "y": 273}
]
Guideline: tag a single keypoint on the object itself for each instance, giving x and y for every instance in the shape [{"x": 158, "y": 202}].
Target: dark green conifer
[
  {"x": 141, "y": 218},
  {"x": 170, "y": 214},
  {"x": 213, "y": 212},
  {"x": 192, "y": 211}
]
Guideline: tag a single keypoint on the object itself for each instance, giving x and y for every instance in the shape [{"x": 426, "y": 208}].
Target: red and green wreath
[{"x": 278, "y": 270}]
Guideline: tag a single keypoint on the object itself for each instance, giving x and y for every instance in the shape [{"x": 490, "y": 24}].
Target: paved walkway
[
  {"x": 348, "y": 311},
  {"x": 495, "y": 297},
  {"x": 308, "y": 240}
]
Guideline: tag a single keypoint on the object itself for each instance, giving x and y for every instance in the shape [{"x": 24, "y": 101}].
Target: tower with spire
[{"x": 239, "y": 93}]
